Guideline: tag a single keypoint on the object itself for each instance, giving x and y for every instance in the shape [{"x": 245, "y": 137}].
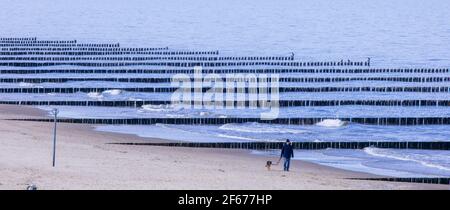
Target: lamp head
[{"x": 55, "y": 111}]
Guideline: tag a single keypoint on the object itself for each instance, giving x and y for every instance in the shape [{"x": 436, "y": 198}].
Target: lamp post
[{"x": 55, "y": 114}]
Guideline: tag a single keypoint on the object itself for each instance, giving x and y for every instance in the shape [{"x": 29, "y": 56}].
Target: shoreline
[{"x": 85, "y": 161}]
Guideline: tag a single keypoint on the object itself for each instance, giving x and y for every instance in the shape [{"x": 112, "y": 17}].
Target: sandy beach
[{"x": 86, "y": 161}]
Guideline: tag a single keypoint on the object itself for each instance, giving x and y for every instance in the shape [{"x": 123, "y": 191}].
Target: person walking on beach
[{"x": 287, "y": 152}]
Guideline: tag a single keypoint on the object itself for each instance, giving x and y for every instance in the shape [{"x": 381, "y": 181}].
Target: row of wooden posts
[
  {"x": 223, "y": 71},
  {"x": 9, "y": 58},
  {"x": 395, "y": 121},
  {"x": 282, "y": 103},
  {"x": 168, "y": 79},
  {"x": 431, "y": 145},
  {"x": 180, "y": 64},
  {"x": 436, "y": 89}
]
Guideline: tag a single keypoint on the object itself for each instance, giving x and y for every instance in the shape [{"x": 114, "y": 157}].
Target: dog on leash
[{"x": 270, "y": 163}]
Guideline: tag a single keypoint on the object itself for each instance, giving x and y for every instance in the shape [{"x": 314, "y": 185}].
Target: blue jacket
[{"x": 287, "y": 151}]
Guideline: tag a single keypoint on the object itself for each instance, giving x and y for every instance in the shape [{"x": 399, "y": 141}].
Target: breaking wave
[
  {"x": 258, "y": 128},
  {"x": 422, "y": 159},
  {"x": 332, "y": 123}
]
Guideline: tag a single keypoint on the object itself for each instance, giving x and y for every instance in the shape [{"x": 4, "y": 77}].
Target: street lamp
[{"x": 55, "y": 114}]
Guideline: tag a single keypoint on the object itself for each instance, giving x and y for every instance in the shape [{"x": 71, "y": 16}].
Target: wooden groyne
[
  {"x": 95, "y": 51},
  {"x": 88, "y": 51},
  {"x": 224, "y": 71},
  {"x": 179, "y": 64},
  {"x": 245, "y": 90},
  {"x": 21, "y": 49},
  {"x": 282, "y": 103},
  {"x": 424, "y": 180},
  {"x": 63, "y": 79},
  {"x": 165, "y": 55},
  {"x": 21, "y": 42},
  {"x": 18, "y": 39},
  {"x": 137, "y": 58},
  {"x": 397, "y": 121},
  {"x": 304, "y": 145},
  {"x": 16, "y": 45}
]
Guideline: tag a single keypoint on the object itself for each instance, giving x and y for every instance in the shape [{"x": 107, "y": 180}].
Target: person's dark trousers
[{"x": 287, "y": 163}]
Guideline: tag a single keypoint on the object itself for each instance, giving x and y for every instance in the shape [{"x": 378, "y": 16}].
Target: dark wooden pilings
[
  {"x": 424, "y": 180},
  {"x": 18, "y": 39},
  {"x": 56, "y": 45},
  {"x": 79, "y": 56},
  {"x": 22, "y": 48},
  {"x": 295, "y": 103},
  {"x": 223, "y": 71},
  {"x": 421, "y": 89},
  {"x": 22, "y": 42},
  {"x": 282, "y": 103},
  {"x": 14, "y": 55},
  {"x": 71, "y": 51},
  {"x": 17, "y": 46},
  {"x": 170, "y": 64},
  {"x": 281, "y": 89},
  {"x": 303, "y": 145},
  {"x": 168, "y": 79},
  {"x": 397, "y": 121}
]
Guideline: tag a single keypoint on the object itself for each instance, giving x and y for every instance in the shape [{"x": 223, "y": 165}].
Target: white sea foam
[
  {"x": 25, "y": 84},
  {"x": 258, "y": 128},
  {"x": 332, "y": 123},
  {"x": 418, "y": 158},
  {"x": 135, "y": 99},
  {"x": 156, "y": 108},
  {"x": 317, "y": 140},
  {"x": 95, "y": 95},
  {"x": 113, "y": 92},
  {"x": 204, "y": 113},
  {"x": 237, "y": 137}
]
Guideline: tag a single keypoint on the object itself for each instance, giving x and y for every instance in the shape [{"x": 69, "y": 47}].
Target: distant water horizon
[{"x": 402, "y": 33}]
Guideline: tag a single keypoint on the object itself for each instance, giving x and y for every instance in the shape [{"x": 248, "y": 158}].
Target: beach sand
[{"x": 86, "y": 161}]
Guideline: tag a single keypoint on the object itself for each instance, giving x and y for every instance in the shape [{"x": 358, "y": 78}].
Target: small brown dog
[{"x": 269, "y": 163}]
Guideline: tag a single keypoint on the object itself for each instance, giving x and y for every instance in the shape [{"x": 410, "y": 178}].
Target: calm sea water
[
  {"x": 394, "y": 33},
  {"x": 399, "y": 33}
]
